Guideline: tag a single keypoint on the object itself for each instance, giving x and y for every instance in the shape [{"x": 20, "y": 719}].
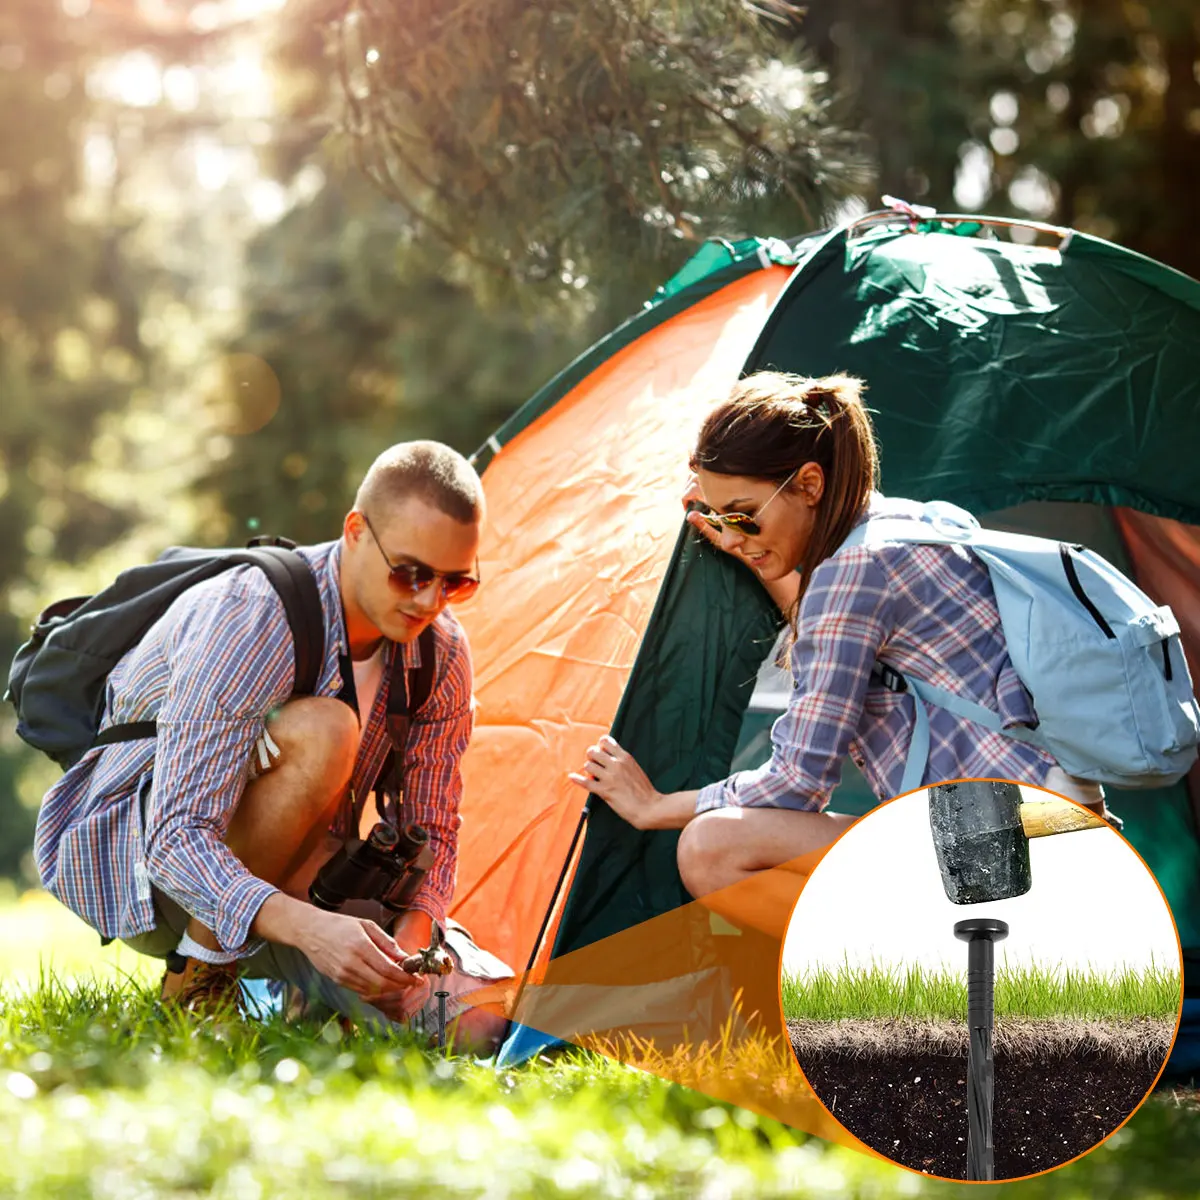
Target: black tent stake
[
  {"x": 441, "y": 999},
  {"x": 980, "y": 933}
]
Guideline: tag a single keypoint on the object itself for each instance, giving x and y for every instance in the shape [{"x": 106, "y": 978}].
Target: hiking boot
[
  {"x": 299, "y": 1007},
  {"x": 206, "y": 989}
]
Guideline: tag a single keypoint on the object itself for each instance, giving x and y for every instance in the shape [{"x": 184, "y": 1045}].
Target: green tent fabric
[
  {"x": 716, "y": 257},
  {"x": 681, "y": 718},
  {"x": 1037, "y": 386},
  {"x": 1002, "y": 373}
]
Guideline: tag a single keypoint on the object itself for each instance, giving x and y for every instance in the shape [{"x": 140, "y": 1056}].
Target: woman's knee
[
  {"x": 703, "y": 853},
  {"x": 319, "y": 733}
]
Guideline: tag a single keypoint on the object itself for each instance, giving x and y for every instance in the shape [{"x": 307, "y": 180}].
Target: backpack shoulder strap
[
  {"x": 293, "y": 580},
  {"x": 296, "y": 586},
  {"x": 420, "y": 680},
  {"x": 938, "y": 524},
  {"x": 408, "y": 689}
]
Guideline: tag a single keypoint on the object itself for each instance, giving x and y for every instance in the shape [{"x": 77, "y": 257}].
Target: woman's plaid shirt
[
  {"x": 208, "y": 671},
  {"x": 930, "y": 612}
]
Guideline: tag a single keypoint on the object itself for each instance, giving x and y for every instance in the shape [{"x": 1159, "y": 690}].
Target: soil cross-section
[{"x": 1061, "y": 1086}]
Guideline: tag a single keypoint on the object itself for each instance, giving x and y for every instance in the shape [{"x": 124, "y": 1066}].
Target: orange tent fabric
[{"x": 584, "y": 509}]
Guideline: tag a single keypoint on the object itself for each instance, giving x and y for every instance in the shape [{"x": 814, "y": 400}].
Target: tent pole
[{"x": 541, "y": 935}]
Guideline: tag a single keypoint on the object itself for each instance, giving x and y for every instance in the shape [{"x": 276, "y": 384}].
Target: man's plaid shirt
[
  {"x": 930, "y": 612},
  {"x": 209, "y": 671}
]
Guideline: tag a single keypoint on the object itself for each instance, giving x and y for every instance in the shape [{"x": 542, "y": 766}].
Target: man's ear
[
  {"x": 810, "y": 483},
  {"x": 353, "y": 527}
]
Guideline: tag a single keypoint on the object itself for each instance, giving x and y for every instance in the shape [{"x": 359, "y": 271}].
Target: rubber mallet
[{"x": 981, "y": 831}]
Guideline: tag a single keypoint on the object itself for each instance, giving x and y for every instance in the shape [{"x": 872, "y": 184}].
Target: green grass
[
  {"x": 103, "y": 1097},
  {"x": 101, "y": 1094},
  {"x": 96, "y": 1078},
  {"x": 1029, "y": 991}
]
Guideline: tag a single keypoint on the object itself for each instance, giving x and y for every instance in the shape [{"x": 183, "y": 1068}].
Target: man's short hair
[{"x": 430, "y": 471}]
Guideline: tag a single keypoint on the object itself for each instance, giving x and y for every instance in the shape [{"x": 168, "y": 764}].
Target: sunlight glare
[
  {"x": 181, "y": 88},
  {"x": 99, "y": 160},
  {"x": 134, "y": 79},
  {"x": 268, "y": 201},
  {"x": 212, "y": 162}
]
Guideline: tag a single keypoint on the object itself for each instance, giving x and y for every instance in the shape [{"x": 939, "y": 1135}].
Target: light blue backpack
[{"x": 1103, "y": 663}]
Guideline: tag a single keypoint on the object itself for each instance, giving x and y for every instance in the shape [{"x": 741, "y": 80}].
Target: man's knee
[
  {"x": 319, "y": 734},
  {"x": 703, "y": 853}
]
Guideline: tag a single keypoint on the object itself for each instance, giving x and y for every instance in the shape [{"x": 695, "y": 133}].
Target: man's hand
[
  {"x": 400, "y": 1006},
  {"x": 352, "y": 951},
  {"x": 413, "y": 931},
  {"x": 356, "y": 953}
]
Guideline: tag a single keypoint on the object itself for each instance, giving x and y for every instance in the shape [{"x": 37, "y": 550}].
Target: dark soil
[{"x": 1059, "y": 1088}]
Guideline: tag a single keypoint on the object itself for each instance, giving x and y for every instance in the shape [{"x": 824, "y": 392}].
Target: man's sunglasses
[
  {"x": 411, "y": 578},
  {"x": 742, "y": 523}
]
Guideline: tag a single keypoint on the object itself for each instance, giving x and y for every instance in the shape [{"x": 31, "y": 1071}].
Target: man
[{"x": 199, "y": 846}]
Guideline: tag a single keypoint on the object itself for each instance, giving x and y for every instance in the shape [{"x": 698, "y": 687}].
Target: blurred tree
[
  {"x": 550, "y": 139},
  {"x": 540, "y": 169},
  {"x": 1090, "y": 114},
  {"x": 368, "y": 341},
  {"x": 1084, "y": 114},
  {"x": 908, "y": 85},
  {"x": 69, "y": 345},
  {"x": 91, "y": 302}
]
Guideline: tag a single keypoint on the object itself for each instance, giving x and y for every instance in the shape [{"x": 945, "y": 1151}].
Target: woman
[{"x": 785, "y": 468}]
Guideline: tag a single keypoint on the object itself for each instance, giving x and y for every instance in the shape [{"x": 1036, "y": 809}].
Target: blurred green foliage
[
  {"x": 243, "y": 257},
  {"x": 633, "y": 123},
  {"x": 69, "y": 344},
  {"x": 1084, "y": 113}
]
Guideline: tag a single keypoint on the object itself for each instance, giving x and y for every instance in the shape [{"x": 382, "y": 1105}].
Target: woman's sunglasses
[
  {"x": 743, "y": 523},
  {"x": 411, "y": 578}
]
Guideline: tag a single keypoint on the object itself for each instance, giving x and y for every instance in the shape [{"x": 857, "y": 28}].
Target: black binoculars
[{"x": 389, "y": 865}]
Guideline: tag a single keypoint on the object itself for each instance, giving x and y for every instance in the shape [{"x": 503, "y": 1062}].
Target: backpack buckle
[{"x": 888, "y": 677}]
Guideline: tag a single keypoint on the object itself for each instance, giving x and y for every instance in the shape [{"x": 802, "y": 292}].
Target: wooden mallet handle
[{"x": 1041, "y": 818}]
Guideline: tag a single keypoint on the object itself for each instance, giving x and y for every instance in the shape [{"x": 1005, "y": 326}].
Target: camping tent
[{"x": 1046, "y": 381}]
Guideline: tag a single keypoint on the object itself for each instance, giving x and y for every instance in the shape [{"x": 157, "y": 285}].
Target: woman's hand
[
  {"x": 692, "y": 494},
  {"x": 614, "y": 776}
]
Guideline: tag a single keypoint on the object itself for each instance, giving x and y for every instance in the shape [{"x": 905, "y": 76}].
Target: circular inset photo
[{"x": 972, "y": 997}]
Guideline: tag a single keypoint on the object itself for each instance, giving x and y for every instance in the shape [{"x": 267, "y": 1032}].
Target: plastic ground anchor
[
  {"x": 441, "y": 999},
  {"x": 991, "y": 928}
]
